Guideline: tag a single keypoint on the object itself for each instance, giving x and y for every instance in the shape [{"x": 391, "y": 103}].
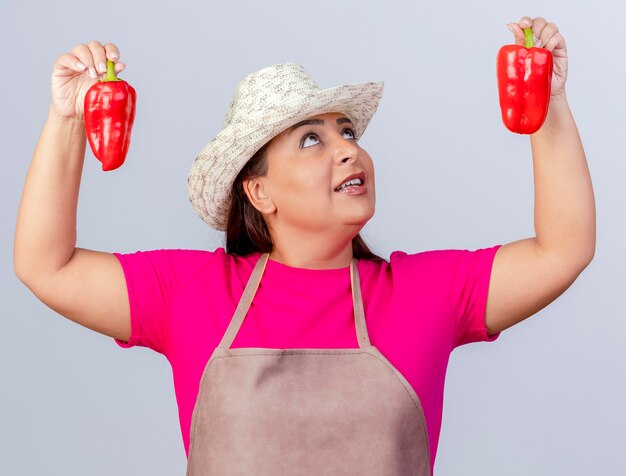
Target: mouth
[{"x": 351, "y": 183}]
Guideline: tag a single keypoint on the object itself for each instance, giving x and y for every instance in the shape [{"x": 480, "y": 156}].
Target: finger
[
  {"x": 112, "y": 52},
  {"x": 83, "y": 53},
  {"x": 119, "y": 66},
  {"x": 549, "y": 30},
  {"x": 538, "y": 26},
  {"x": 520, "y": 38},
  {"x": 99, "y": 58},
  {"x": 68, "y": 64},
  {"x": 553, "y": 41},
  {"x": 526, "y": 22}
]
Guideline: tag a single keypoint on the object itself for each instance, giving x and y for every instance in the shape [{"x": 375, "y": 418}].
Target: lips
[{"x": 359, "y": 175}]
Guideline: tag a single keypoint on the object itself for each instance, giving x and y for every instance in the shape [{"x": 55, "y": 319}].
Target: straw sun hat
[{"x": 265, "y": 103}]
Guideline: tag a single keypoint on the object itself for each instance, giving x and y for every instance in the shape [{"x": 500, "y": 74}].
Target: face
[{"x": 306, "y": 165}]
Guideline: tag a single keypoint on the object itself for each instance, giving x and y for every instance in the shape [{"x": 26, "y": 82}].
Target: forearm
[
  {"x": 565, "y": 215},
  {"x": 45, "y": 234}
]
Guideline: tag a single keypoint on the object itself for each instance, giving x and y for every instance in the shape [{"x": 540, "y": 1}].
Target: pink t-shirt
[{"x": 418, "y": 308}]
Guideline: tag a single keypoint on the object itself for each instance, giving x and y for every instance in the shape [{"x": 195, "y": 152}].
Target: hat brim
[{"x": 216, "y": 166}]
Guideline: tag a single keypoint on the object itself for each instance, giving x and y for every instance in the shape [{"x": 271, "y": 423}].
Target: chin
[{"x": 360, "y": 218}]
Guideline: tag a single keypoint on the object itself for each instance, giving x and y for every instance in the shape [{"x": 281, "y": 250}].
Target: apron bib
[{"x": 264, "y": 411}]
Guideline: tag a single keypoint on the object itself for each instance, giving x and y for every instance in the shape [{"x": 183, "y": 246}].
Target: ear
[{"x": 257, "y": 190}]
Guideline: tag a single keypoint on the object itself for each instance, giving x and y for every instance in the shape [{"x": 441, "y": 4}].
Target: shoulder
[
  {"x": 182, "y": 264},
  {"x": 182, "y": 255},
  {"x": 165, "y": 259},
  {"x": 403, "y": 267},
  {"x": 433, "y": 265},
  {"x": 441, "y": 258}
]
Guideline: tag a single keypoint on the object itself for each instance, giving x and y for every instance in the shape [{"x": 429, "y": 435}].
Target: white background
[{"x": 547, "y": 398}]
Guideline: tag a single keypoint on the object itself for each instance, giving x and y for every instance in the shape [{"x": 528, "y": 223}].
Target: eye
[
  {"x": 305, "y": 137},
  {"x": 313, "y": 134},
  {"x": 351, "y": 132}
]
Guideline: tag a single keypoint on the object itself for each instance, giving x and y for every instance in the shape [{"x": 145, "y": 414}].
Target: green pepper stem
[
  {"x": 530, "y": 42},
  {"x": 111, "y": 71}
]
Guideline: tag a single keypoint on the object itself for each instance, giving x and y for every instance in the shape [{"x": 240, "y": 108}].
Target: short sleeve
[
  {"x": 152, "y": 277},
  {"x": 470, "y": 277}
]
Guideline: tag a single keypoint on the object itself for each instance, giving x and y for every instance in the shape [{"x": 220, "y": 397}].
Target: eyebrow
[{"x": 341, "y": 120}]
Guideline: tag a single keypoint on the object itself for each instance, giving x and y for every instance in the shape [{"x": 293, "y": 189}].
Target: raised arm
[
  {"x": 86, "y": 286},
  {"x": 529, "y": 274}
]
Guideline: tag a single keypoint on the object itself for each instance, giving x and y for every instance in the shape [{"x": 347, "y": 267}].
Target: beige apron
[{"x": 264, "y": 411}]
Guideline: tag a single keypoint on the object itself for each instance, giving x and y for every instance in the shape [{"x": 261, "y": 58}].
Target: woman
[{"x": 296, "y": 349}]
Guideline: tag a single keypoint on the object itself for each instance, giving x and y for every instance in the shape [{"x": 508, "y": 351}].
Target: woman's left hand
[{"x": 547, "y": 36}]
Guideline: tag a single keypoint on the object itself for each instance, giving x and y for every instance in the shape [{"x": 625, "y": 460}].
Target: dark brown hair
[{"x": 246, "y": 231}]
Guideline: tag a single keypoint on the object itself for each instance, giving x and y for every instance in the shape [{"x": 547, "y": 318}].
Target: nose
[{"x": 346, "y": 151}]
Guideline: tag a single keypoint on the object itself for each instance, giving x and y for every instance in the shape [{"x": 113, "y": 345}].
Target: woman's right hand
[{"x": 74, "y": 73}]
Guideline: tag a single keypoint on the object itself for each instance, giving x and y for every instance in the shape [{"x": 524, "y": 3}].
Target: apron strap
[
  {"x": 253, "y": 284},
  {"x": 357, "y": 301}
]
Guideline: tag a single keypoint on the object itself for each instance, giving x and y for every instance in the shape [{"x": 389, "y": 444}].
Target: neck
[{"x": 312, "y": 250}]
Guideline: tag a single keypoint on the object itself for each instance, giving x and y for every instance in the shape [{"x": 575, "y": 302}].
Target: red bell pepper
[
  {"x": 109, "y": 117},
  {"x": 524, "y": 80}
]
